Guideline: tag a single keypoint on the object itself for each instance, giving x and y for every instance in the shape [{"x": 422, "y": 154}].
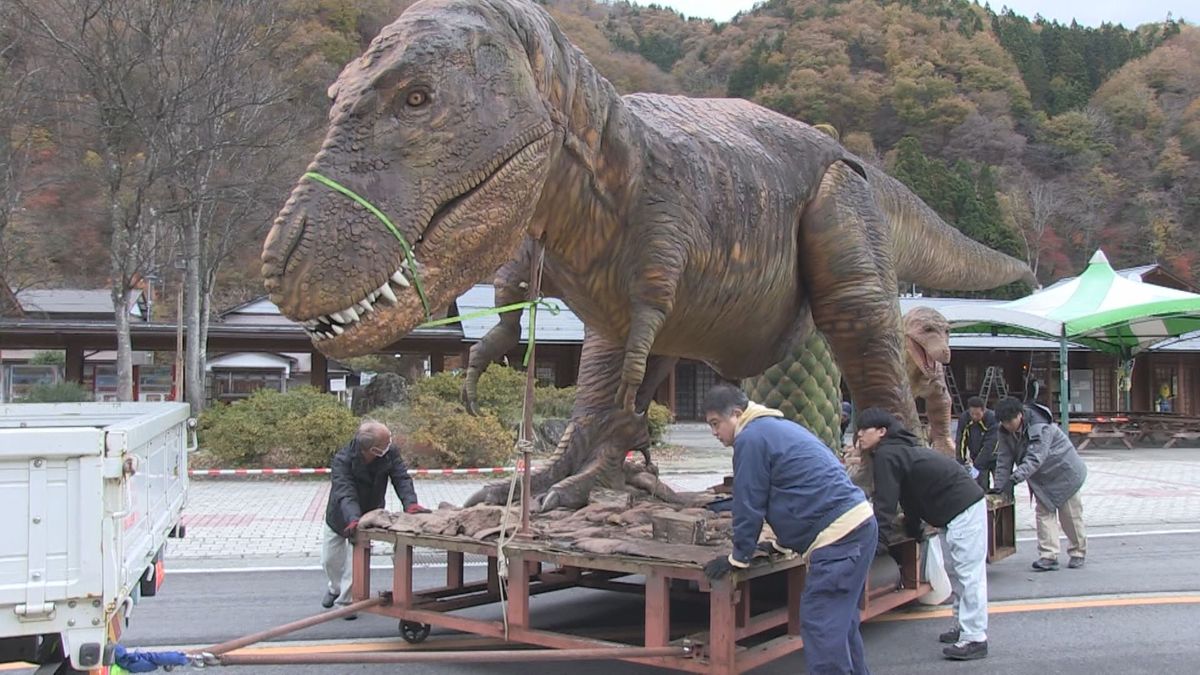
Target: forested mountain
[{"x": 1041, "y": 139}]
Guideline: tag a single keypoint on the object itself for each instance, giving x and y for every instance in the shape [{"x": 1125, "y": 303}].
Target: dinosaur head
[
  {"x": 443, "y": 126},
  {"x": 927, "y": 338}
]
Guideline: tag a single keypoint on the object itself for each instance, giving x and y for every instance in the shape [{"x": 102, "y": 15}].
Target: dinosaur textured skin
[{"x": 711, "y": 229}]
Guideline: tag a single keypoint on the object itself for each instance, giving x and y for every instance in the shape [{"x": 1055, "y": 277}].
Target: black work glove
[{"x": 718, "y": 568}]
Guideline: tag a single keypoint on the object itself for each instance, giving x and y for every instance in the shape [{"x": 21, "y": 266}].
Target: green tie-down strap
[
  {"x": 408, "y": 254},
  {"x": 532, "y": 305}
]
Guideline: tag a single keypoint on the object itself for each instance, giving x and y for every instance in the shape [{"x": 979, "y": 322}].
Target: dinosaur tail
[{"x": 931, "y": 253}]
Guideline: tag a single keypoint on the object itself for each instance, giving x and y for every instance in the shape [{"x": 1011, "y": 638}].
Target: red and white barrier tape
[{"x": 325, "y": 470}]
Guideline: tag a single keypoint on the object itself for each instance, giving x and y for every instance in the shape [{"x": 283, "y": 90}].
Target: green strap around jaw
[
  {"x": 532, "y": 305},
  {"x": 408, "y": 254}
]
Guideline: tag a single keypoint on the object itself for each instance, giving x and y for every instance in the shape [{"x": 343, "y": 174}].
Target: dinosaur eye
[{"x": 416, "y": 98}]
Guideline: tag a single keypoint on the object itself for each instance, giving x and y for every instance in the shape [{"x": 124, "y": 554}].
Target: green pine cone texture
[{"x": 806, "y": 388}]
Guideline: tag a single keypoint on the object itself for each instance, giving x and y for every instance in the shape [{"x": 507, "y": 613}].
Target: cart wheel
[{"x": 414, "y": 632}]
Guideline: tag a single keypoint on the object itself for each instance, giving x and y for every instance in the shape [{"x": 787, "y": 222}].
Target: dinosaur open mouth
[
  {"x": 402, "y": 280},
  {"x": 927, "y": 363}
]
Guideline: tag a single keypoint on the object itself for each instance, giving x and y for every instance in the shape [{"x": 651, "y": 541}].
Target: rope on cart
[
  {"x": 504, "y": 539},
  {"x": 524, "y": 447}
]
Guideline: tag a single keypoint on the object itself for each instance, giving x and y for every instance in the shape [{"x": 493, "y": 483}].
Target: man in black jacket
[
  {"x": 977, "y": 438},
  {"x": 933, "y": 488},
  {"x": 360, "y": 473}
]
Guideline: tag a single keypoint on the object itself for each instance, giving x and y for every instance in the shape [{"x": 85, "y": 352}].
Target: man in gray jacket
[{"x": 1033, "y": 448}]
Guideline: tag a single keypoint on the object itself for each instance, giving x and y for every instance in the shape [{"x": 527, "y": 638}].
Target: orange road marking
[{"x": 1017, "y": 607}]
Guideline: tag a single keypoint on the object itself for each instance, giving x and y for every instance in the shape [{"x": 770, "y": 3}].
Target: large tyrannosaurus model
[{"x": 712, "y": 229}]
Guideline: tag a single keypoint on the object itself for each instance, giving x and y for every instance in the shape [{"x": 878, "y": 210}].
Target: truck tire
[{"x": 414, "y": 632}]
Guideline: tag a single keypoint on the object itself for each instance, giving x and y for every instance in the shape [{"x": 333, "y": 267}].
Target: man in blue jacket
[
  {"x": 784, "y": 475},
  {"x": 360, "y": 473}
]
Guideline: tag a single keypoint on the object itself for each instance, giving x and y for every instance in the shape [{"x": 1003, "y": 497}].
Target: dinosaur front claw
[
  {"x": 467, "y": 395},
  {"x": 626, "y": 396}
]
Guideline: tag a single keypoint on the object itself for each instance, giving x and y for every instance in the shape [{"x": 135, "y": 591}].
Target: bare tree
[
  {"x": 183, "y": 105},
  {"x": 102, "y": 51},
  {"x": 228, "y": 140},
  {"x": 18, "y": 126},
  {"x": 1032, "y": 206}
]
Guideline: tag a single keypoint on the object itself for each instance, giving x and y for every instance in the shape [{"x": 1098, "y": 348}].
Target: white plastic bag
[{"x": 935, "y": 572}]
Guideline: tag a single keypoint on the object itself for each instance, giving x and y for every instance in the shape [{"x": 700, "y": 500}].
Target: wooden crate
[{"x": 1002, "y": 530}]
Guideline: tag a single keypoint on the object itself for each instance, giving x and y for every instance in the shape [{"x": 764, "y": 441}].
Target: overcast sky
[{"x": 1087, "y": 12}]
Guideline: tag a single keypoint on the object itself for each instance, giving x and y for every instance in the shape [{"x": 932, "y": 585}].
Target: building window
[
  {"x": 971, "y": 379},
  {"x": 1104, "y": 389},
  {"x": 154, "y": 383},
  {"x": 22, "y": 378},
  {"x": 232, "y": 385}
]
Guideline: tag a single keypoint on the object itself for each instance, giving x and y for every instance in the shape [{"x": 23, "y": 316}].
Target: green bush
[
  {"x": 62, "y": 392},
  {"x": 304, "y": 425},
  {"x": 500, "y": 392},
  {"x": 440, "y": 434},
  {"x": 436, "y": 405},
  {"x": 658, "y": 417}
]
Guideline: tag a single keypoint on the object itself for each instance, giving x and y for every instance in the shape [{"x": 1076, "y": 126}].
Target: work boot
[
  {"x": 1045, "y": 564},
  {"x": 950, "y": 636},
  {"x": 966, "y": 651},
  {"x": 329, "y": 599},
  {"x": 1075, "y": 562}
]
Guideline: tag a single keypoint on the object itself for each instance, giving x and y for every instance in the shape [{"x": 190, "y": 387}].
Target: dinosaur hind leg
[
  {"x": 593, "y": 448},
  {"x": 847, "y": 267}
]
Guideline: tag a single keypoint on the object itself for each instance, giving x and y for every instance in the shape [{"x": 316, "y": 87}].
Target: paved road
[
  {"x": 274, "y": 521},
  {"x": 1099, "y": 620}
]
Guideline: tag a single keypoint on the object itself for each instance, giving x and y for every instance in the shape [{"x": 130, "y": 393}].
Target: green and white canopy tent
[{"x": 1099, "y": 309}]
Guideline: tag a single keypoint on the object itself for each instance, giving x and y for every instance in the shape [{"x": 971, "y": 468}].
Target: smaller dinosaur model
[{"x": 926, "y": 354}]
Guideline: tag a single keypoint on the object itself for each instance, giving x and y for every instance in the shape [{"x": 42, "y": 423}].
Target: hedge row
[{"x": 304, "y": 427}]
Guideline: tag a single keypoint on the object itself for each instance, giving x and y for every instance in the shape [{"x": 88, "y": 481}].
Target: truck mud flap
[{"x": 152, "y": 578}]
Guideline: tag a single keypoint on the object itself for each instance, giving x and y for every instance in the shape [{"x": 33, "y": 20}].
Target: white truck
[{"x": 89, "y": 493}]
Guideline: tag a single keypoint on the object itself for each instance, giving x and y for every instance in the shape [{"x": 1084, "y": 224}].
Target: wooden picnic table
[{"x": 1135, "y": 428}]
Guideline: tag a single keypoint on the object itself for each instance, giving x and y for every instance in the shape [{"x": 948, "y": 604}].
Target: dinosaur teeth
[
  {"x": 336, "y": 323},
  {"x": 386, "y": 291}
]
